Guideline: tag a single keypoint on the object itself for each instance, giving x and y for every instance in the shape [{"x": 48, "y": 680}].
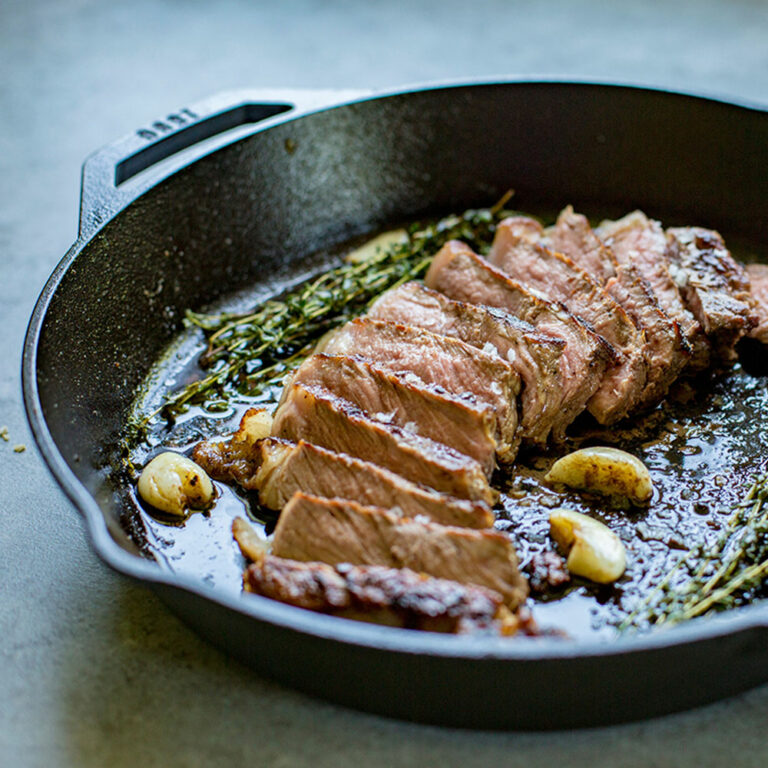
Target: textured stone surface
[{"x": 93, "y": 669}]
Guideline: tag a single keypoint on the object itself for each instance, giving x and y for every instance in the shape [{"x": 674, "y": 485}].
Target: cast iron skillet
[{"x": 240, "y": 188}]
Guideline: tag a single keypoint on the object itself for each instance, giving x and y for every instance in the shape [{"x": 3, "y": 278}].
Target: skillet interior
[{"x": 254, "y": 210}]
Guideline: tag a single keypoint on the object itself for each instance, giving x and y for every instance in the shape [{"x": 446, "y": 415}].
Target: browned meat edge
[
  {"x": 461, "y": 274},
  {"x": 405, "y": 400},
  {"x": 316, "y": 415},
  {"x": 713, "y": 285},
  {"x": 758, "y": 275},
  {"x": 666, "y": 351},
  {"x": 641, "y": 242},
  {"x": 336, "y": 531},
  {"x": 446, "y": 362},
  {"x": 390, "y": 596},
  {"x": 535, "y": 356},
  {"x": 518, "y": 253},
  {"x": 289, "y": 467}
]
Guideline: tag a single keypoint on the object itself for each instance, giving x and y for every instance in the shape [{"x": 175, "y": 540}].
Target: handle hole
[{"x": 243, "y": 114}]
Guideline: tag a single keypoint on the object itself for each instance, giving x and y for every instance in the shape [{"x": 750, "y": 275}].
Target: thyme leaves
[{"x": 712, "y": 578}]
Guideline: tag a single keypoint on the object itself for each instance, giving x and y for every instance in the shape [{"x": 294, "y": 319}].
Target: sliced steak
[
  {"x": 316, "y": 415},
  {"x": 535, "y": 356},
  {"x": 287, "y": 467},
  {"x": 714, "y": 287},
  {"x": 516, "y": 251},
  {"x": 461, "y": 274},
  {"x": 335, "y": 531},
  {"x": 445, "y": 362},
  {"x": 573, "y": 236},
  {"x": 405, "y": 400},
  {"x": 758, "y": 276},
  {"x": 395, "y": 597},
  {"x": 666, "y": 351},
  {"x": 640, "y": 241}
]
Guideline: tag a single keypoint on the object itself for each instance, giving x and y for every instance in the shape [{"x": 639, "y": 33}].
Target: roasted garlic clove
[
  {"x": 173, "y": 484},
  {"x": 604, "y": 470},
  {"x": 252, "y": 546},
  {"x": 255, "y": 425},
  {"x": 595, "y": 552},
  {"x": 379, "y": 243}
]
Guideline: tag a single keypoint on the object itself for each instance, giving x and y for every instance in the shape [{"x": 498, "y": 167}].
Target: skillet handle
[{"x": 118, "y": 173}]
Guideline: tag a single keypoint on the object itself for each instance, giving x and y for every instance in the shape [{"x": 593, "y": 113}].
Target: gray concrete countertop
[{"x": 94, "y": 671}]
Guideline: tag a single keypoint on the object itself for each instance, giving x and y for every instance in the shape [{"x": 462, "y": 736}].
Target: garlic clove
[
  {"x": 595, "y": 552},
  {"x": 255, "y": 425},
  {"x": 376, "y": 245},
  {"x": 174, "y": 484},
  {"x": 604, "y": 470}
]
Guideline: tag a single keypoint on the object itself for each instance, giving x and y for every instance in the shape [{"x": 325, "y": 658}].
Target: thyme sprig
[
  {"x": 249, "y": 352},
  {"x": 712, "y": 578}
]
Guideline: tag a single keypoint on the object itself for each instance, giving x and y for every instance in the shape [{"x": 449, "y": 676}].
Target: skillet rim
[{"x": 261, "y": 609}]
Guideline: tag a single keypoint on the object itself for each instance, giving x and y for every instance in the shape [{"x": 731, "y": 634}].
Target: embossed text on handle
[{"x": 171, "y": 123}]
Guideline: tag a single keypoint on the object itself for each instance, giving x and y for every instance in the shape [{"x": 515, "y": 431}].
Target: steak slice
[
  {"x": 404, "y": 399},
  {"x": 287, "y": 467},
  {"x": 516, "y": 251},
  {"x": 758, "y": 276},
  {"x": 535, "y": 356},
  {"x": 573, "y": 236},
  {"x": 640, "y": 241},
  {"x": 461, "y": 274},
  {"x": 666, "y": 351},
  {"x": 316, "y": 415},
  {"x": 336, "y": 531},
  {"x": 395, "y": 597},
  {"x": 445, "y": 362},
  {"x": 714, "y": 287}
]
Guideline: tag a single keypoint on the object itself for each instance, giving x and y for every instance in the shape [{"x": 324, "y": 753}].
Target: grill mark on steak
[
  {"x": 535, "y": 356},
  {"x": 288, "y": 467},
  {"x": 635, "y": 239},
  {"x": 461, "y": 274},
  {"x": 445, "y": 362},
  {"x": 758, "y": 276},
  {"x": 407, "y": 401},
  {"x": 714, "y": 287},
  {"x": 666, "y": 351},
  {"x": 336, "y": 531},
  {"x": 516, "y": 252},
  {"x": 314, "y": 414},
  {"x": 379, "y": 595}
]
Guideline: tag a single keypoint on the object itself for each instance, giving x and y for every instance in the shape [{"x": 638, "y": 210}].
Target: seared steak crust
[
  {"x": 461, "y": 274},
  {"x": 666, "y": 351},
  {"x": 516, "y": 251},
  {"x": 390, "y": 596},
  {"x": 535, "y": 356},
  {"x": 288, "y": 467},
  {"x": 637, "y": 240},
  {"x": 445, "y": 362},
  {"x": 314, "y": 414},
  {"x": 714, "y": 287},
  {"x": 407, "y": 401},
  {"x": 336, "y": 531},
  {"x": 758, "y": 276}
]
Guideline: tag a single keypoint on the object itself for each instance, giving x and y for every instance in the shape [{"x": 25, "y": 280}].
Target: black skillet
[{"x": 224, "y": 195}]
